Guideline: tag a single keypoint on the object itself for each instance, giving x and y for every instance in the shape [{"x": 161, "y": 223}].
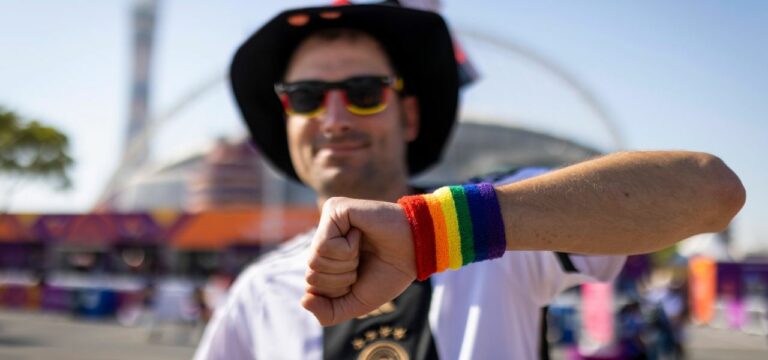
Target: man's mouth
[{"x": 342, "y": 147}]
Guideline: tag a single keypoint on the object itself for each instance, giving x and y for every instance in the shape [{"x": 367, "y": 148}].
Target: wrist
[
  {"x": 454, "y": 226},
  {"x": 386, "y": 233}
]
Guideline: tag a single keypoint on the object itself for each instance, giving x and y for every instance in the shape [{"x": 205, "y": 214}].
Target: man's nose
[{"x": 335, "y": 119}]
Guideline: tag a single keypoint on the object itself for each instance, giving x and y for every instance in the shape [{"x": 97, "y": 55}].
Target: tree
[{"x": 30, "y": 150}]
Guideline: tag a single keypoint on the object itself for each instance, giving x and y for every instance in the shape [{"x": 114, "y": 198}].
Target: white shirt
[{"x": 486, "y": 310}]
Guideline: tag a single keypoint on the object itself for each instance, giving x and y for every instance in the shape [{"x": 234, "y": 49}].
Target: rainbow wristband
[{"x": 454, "y": 226}]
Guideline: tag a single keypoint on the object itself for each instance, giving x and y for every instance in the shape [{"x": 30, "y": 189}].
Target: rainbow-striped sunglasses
[{"x": 362, "y": 95}]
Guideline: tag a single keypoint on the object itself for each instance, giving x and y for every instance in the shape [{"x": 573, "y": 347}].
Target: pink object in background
[
  {"x": 597, "y": 312},
  {"x": 735, "y": 313}
]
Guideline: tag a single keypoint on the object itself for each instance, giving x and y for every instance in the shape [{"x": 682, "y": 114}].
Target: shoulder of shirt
[
  {"x": 510, "y": 176},
  {"x": 288, "y": 259},
  {"x": 497, "y": 178}
]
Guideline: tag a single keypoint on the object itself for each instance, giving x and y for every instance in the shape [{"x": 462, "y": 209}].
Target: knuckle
[
  {"x": 336, "y": 206},
  {"x": 326, "y": 248},
  {"x": 312, "y": 277},
  {"x": 316, "y": 263},
  {"x": 332, "y": 203},
  {"x": 337, "y": 249},
  {"x": 309, "y": 289}
]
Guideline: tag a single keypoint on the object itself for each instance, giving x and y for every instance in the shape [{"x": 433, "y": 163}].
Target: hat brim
[{"x": 418, "y": 43}]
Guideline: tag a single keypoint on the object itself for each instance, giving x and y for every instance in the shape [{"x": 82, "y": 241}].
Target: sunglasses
[{"x": 362, "y": 95}]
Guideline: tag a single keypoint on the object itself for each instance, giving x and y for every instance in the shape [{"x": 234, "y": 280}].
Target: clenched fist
[{"x": 362, "y": 256}]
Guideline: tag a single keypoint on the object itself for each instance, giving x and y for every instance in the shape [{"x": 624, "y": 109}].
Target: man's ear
[{"x": 411, "y": 117}]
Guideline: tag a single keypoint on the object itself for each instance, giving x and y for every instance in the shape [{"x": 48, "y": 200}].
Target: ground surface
[{"x": 27, "y": 336}]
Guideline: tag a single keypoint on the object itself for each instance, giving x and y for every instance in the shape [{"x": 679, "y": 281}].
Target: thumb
[
  {"x": 334, "y": 220},
  {"x": 353, "y": 240}
]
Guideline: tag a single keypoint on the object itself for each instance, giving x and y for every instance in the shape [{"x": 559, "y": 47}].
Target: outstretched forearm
[
  {"x": 365, "y": 253},
  {"x": 623, "y": 203}
]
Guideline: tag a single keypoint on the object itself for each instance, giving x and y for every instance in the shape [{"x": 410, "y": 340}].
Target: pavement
[
  {"x": 32, "y": 335},
  {"x": 38, "y": 336},
  {"x": 707, "y": 343}
]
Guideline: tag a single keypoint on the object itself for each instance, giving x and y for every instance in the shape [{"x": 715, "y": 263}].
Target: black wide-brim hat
[{"x": 417, "y": 42}]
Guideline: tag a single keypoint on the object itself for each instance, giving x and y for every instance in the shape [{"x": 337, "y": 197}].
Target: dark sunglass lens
[
  {"x": 365, "y": 92},
  {"x": 305, "y": 99}
]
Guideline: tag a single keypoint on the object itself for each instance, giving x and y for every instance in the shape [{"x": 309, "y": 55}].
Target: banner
[{"x": 703, "y": 278}]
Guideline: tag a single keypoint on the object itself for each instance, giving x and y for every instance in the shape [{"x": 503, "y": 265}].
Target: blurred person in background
[
  {"x": 666, "y": 305},
  {"x": 352, "y": 101},
  {"x": 632, "y": 327}
]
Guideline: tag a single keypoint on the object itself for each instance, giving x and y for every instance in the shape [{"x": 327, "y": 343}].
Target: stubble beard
[
  {"x": 354, "y": 182},
  {"x": 367, "y": 181}
]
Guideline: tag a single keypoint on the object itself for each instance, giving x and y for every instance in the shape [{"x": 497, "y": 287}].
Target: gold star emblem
[
  {"x": 385, "y": 331},
  {"x": 370, "y": 335},
  {"x": 399, "y": 333},
  {"x": 358, "y": 343}
]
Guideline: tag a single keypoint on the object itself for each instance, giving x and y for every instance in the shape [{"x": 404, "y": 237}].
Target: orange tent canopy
[
  {"x": 212, "y": 230},
  {"x": 11, "y": 229}
]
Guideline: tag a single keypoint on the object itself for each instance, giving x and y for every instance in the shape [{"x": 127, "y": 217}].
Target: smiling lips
[
  {"x": 341, "y": 148},
  {"x": 341, "y": 145}
]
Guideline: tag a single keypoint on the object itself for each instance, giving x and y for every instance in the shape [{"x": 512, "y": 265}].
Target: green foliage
[{"x": 31, "y": 150}]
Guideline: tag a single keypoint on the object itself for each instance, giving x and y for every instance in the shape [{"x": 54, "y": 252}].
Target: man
[{"x": 351, "y": 101}]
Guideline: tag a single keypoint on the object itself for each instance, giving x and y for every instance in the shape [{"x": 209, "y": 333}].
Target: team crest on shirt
[
  {"x": 381, "y": 344},
  {"x": 397, "y": 330},
  {"x": 383, "y": 350}
]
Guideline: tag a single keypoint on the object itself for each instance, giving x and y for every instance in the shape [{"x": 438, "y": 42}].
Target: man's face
[{"x": 336, "y": 152}]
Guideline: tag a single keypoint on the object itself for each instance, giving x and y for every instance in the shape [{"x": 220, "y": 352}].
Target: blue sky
[{"x": 672, "y": 75}]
